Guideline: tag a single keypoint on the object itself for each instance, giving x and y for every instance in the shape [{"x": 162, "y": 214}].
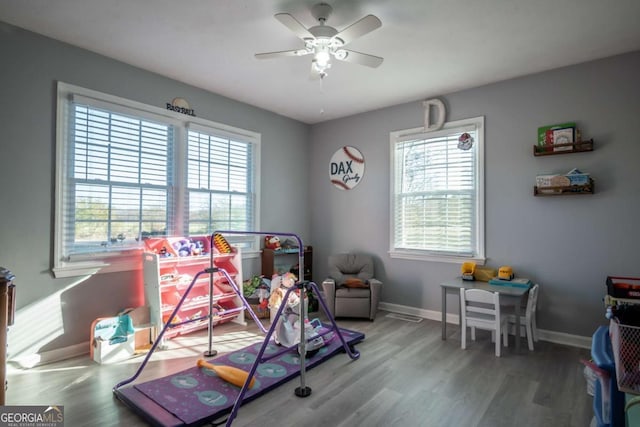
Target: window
[
  {"x": 219, "y": 182},
  {"x": 127, "y": 171},
  {"x": 437, "y": 200}
]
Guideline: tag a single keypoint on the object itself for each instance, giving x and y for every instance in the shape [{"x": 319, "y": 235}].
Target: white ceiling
[{"x": 430, "y": 47}]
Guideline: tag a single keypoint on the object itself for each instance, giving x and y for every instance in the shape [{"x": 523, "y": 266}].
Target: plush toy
[
  {"x": 272, "y": 242},
  {"x": 197, "y": 248},
  {"x": 182, "y": 247}
]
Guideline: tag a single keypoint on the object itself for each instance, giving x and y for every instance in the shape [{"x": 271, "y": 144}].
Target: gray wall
[
  {"x": 55, "y": 313},
  {"x": 567, "y": 244}
]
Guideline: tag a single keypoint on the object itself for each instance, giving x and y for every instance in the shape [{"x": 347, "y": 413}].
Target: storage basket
[
  {"x": 625, "y": 344},
  {"x": 262, "y": 313}
]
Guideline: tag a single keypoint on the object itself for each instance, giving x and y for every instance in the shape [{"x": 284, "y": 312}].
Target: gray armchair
[{"x": 344, "y": 301}]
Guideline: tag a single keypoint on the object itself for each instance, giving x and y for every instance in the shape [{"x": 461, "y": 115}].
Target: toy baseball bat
[{"x": 235, "y": 376}]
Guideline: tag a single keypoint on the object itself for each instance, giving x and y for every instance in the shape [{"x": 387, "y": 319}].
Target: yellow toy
[
  {"x": 235, "y": 376},
  {"x": 221, "y": 244},
  {"x": 468, "y": 270},
  {"x": 505, "y": 273}
]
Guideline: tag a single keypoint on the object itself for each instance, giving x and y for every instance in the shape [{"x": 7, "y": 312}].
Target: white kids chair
[
  {"x": 528, "y": 320},
  {"x": 481, "y": 309}
]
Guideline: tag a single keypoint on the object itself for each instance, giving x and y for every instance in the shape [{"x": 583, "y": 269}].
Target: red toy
[{"x": 272, "y": 242}]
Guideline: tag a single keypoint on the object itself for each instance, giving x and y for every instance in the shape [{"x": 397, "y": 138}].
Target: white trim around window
[
  {"x": 437, "y": 194},
  {"x": 162, "y": 189}
]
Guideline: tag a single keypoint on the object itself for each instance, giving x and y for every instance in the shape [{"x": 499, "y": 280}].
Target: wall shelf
[
  {"x": 570, "y": 190},
  {"x": 553, "y": 149}
]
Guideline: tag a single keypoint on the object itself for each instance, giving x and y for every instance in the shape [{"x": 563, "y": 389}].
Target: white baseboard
[
  {"x": 27, "y": 361},
  {"x": 564, "y": 338},
  {"x": 543, "y": 334}
]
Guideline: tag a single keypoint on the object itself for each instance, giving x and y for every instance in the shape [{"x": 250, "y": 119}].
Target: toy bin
[
  {"x": 261, "y": 312},
  {"x": 608, "y": 400},
  {"x": 625, "y": 344}
]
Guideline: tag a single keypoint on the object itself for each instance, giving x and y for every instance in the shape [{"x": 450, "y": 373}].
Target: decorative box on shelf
[{"x": 577, "y": 177}]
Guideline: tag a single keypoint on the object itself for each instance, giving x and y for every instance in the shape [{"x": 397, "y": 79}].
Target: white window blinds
[
  {"x": 436, "y": 189},
  {"x": 118, "y": 180},
  {"x": 220, "y": 182}
]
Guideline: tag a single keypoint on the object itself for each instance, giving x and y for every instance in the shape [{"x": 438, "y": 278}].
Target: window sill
[
  {"x": 111, "y": 265},
  {"x": 422, "y": 256},
  {"x": 89, "y": 268}
]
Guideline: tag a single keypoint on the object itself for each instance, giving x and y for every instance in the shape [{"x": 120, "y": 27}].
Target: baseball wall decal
[{"x": 346, "y": 168}]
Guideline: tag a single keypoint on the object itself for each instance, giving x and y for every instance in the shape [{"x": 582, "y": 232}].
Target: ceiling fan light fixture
[
  {"x": 321, "y": 67},
  {"x": 323, "y": 59}
]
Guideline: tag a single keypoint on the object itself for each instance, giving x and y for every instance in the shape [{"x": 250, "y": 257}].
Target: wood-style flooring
[{"x": 406, "y": 376}]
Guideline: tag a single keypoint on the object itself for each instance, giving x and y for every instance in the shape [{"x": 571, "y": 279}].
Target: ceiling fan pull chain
[{"x": 321, "y": 95}]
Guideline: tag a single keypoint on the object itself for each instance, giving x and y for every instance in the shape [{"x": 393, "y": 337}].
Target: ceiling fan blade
[
  {"x": 358, "y": 29},
  {"x": 360, "y": 58},
  {"x": 298, "y": 52},
  {"x": 294, "y": 25}
]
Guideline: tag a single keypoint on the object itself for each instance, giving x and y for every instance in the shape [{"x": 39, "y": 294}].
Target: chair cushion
[{"x": 343, "y": 292}]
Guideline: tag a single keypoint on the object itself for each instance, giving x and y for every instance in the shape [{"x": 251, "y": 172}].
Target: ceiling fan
[{"x": 325, "y": 42}]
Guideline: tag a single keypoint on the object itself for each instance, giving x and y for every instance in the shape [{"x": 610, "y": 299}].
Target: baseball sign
[{"x": 346, "y": 168}]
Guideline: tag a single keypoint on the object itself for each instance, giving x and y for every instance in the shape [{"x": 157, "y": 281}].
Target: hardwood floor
[{"x": 406, "y": 376}]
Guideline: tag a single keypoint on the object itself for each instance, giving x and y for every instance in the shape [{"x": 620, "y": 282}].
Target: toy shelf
[
  {"x": 553, "y": 149},
  {"x": 570, "y": 190},
  {"x": 198, "y": 302},
  {"x": 168, "y": 276},
  {"x": 283, "y": 260}
]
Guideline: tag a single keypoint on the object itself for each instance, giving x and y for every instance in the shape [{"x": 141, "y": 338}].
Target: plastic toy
[
  {"x": 505, "y": 273},
  {"x": 468, "y": 270},
  {"x": 221, "y": 244},
  {"x": 235, "y": 376}
]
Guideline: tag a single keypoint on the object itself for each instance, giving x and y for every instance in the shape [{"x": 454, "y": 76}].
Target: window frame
[
  {"x": 448, "y": 128},
  {"x": 113, "y": 260}
]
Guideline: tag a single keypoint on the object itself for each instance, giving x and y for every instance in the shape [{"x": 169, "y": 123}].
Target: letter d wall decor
[{"x": 346, "y": 168}]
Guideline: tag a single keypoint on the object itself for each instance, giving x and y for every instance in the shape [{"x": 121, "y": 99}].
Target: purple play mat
[{"x": 198, "y": 394}]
